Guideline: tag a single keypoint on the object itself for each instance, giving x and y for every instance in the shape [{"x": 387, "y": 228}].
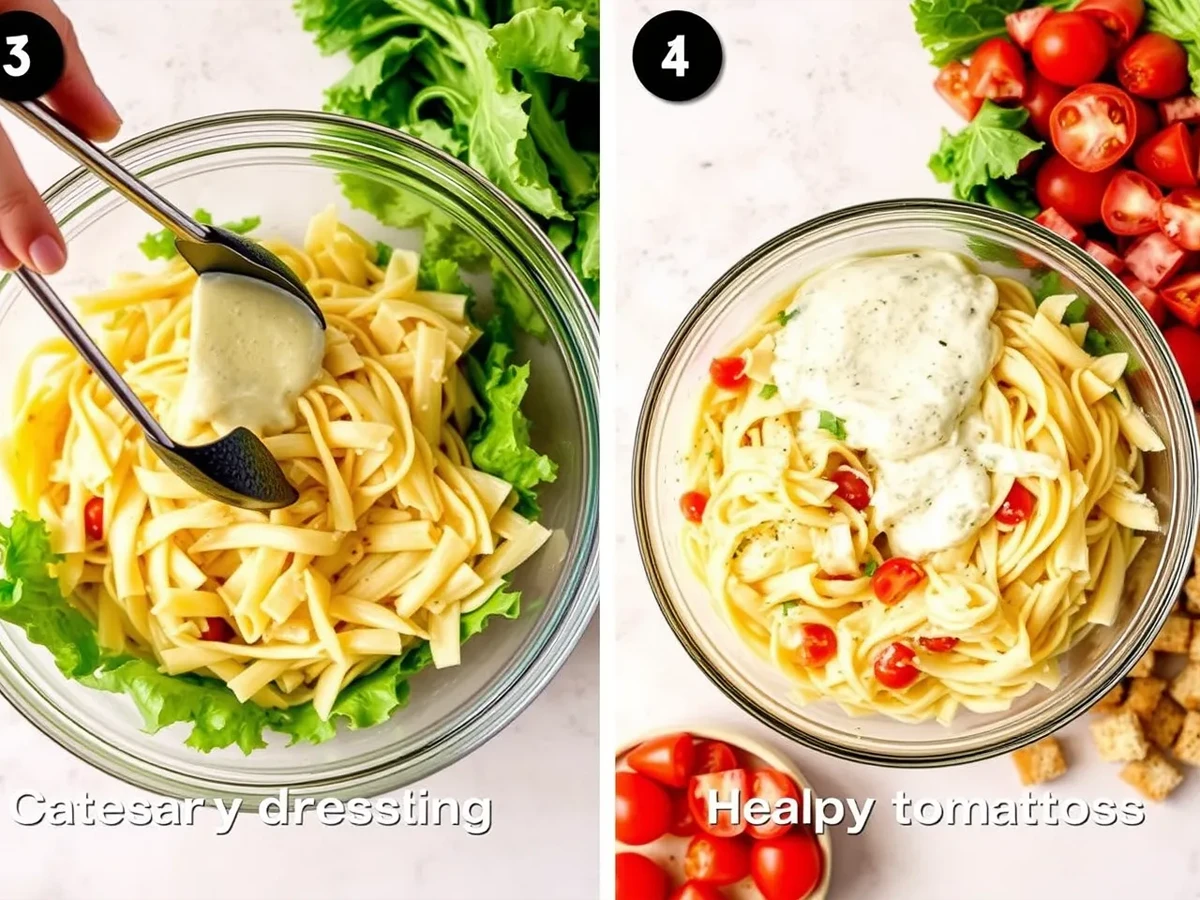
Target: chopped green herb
[
  {"x": 870, "y": 567},
  {"x": 787, "y": 606},
  {"x": 786, "y": 315},
  {"x": 831, "y": 423},
  {"x": 768, "y": 391},
  {"x": 383, "y": 254}
]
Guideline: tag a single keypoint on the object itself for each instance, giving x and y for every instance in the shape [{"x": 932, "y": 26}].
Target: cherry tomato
[
  {"x": 1168, "y": 158},
  {"x": 1023, "y": 24},
  {"x": 640, "y": 878},
  {"x": 728, "y": 372},
  {"x": 216, "y": 629},
  {"x": 1145, "y": 120},
  {"x": 716, "y": 860},
  {"x": 1153, "y": 66},
  {"x": 643, "y": 809},
  {"x": 1051, "y": 218},
  {"x": 713, "y": 756},
  {"x": 1070, "y": 49},
  {"x": 1105, "y": 255},
  {"x": 1041, "y": 96},
  {"x": 851, "y": 487},
  {"x": 818, "y": 644},
  {"x": 787, "y": 867},
  {"x": 730, "y": 787},
  {"x": 668, "y": 759},
  {"x": 1017, "y": 506},
  {"x": 1153, "y": 258},
  {"x": 1146, "y": 296},
  {"x": 693, "y": 503},
  {"x": 1181, "y": 109},
  {"x": 1073, "y": 193},
  {"x": 697, "y": 890},
  {"x": 894, "y": 578},
  {"x": 1182, "y": 297},
  {"x": 1185, "y": 345},
  {"x": 93, "y": 518},
  {"x": 773, "y": 786},
  {"x": 1179, "y": 217},
  {"x": 951, "y": 83},
  {"x": 997, "y": 71},
  {"x": 1093, "y": 126},
  {"x": 683, "y": 823},
  {"x": 938, "y": 644},
  {"x": 894, "y": 666},
  {"x": 1130, "y": 203},
  {"x": 1119, "y": 18}
]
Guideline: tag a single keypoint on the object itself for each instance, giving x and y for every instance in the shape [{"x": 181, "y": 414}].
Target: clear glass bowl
[
  {"x": 1003, "y": 244},
  {"x": 284, "y": 167}
]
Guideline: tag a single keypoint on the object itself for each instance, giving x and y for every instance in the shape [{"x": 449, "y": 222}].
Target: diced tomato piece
[
  {"x": 951, "y": 83},
  {"x": 216, "y": 629},
  {"x": 1182, "y": 297},
  {"x": 714, "y": 756},
  {"x": 728, "y": 372},
  {"x": 938, "y": 644},
  {"x": 1130, "y": 204},
  {"x": 668, "y": 760},
  {"x": 93, "y": 519},
  {"x": 728, "y": 786},
  {"x": 1154, "y": 259},
  {"x": 997, "y": 71},
  {"x": 692, "y": 504},
  {"x": 894, "y": 666},
  {"x": 1041, "y": 96},
  {"x": 1119, "y": 18},
  {"x": 1106, "y": 256},
  {"x": 696, "y": 890},
  {"x": 1052, "y": 219},
  {"x": 1185, "y": 347},
  {"x": 1023, "y": 23},
  {"x": 818, "y": 644},
  {"x": 1148, "y": 297},
  {"x": 682, "y": 822},
  {"x": 716, "y": 860},
  {"x": 851, "y": 487},
  {"x": 894, "y": 578},
  {"x": 1179, "y": 217},
  {"x": 1017, "y": 506},
  {"x": 1168, "y": 158},
  {"x": 1181, "y": 109},
  {"x": 772, "y": 786}
]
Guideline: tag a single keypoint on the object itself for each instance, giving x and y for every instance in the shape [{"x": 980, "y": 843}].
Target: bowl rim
[{"x": 1170, "y": 583}]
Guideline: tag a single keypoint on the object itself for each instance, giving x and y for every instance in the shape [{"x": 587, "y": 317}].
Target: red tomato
[
  {"x": 1017, "y": 506},
  {"x": 1153, "y": 258},
  {"x": 1023, "y": 24},
  {"x": 938, "y": 644},
  {"x": 216, "y": 629},
  {"x": 1153, "y": 66},
  {"x": 1041, "y": 96},
  {"x": 1179, "y": 217},
  {"x": 1145, "y": 120},
  {"x": 697, "y": 890},
  {"x": 639, "y": 878},
  {"x": 728, "y": 372},
  {"x": 1130, "y": 203},
  {"x": 93, "y": 518},
  {"x": 773, "y": 786},
  {"x": 643, "y": 809},
  {"x": 1073, "y": 193},
  {"x": 1093, "y": 126},
  {"x": 851, "y": 487},
  {"x": 682, "y": 822},
  {"x": 788, "y": 867},
  {"x": 1181, "y": 109},
  {"x": 1185, "y": 345},
  {"x": 997, "y": 71},
  {"x": 693, "y": 503},
  {"x": 1051, "y": 218},
  {"x": 1168, "y": 158},
  {"x": 730, "y": 787},
  {"x": 951, "y": 83},
  {"x": 1070, "y": 48},
  {"x": 1105, "y": 255},
  {"x": 713, "y": 756},
  {"x": 818, "y": 644},
  {"x": 1119, "y": 18},
  {"x": 1148, "y": 297},
  {"x": 668, "y": 760},
  {"x": 1182, "y": 297},
  {"x": 894, "y": 666},
  {"x": 894, "y": 578},
  {"x": 716, "y": 860}
]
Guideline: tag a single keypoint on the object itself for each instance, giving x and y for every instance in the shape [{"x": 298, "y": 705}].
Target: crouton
[
  {"x": 1165, "y": 723},
  {"x": 1187, "y": 744},
  {"x": 1144, "y": 667},
  {"x": 1175, "y": 636},
  {"x": 1143, "y": 696},
  {"x": 1194, "y": 647},
  {"x": 1043, "y": 761},
  {"x": 1154, "y": 777},
  {"x": 1185, "y": 687},
  {"x": 1191, "y": 593},
  {"x": 1119, "y": 737},
  {"x": 1110, "y": 701}
]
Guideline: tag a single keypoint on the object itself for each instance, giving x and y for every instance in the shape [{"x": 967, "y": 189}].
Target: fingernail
[{"x": 47, "y": 254}]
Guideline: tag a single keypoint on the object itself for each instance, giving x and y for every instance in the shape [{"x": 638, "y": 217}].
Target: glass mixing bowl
[
  {"x": 284, "y": 167},
  {"x": 1002, "y": 244}
]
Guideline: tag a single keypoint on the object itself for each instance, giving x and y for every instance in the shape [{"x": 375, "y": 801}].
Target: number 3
[
  {"x": 17, "y": 43},
  {"x": 674, "y": 58}
]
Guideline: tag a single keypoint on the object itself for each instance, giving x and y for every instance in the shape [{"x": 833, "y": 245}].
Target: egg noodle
[
  {"x": 1015, "y": 597},
  {"x": 395, "y": 534}
]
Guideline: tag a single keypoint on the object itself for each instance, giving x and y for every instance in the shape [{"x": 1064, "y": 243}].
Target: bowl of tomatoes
[{"x": 671, "y": 846}]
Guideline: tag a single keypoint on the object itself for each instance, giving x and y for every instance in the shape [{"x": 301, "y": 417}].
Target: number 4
[
  {"x": 17, "y": 43},
  {"x": 674, "y": 58}
]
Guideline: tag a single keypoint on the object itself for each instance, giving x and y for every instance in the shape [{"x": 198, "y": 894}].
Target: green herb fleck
[
  {"x": 870, "y": 567},
  {"x": 786, "y": 315},
  {"x": 383, "y": 254},
  {"x": 768, "y": 391},
  {"x": 831, "y": 423}
]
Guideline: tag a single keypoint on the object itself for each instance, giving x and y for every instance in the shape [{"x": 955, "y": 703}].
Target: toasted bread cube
[
  {"x": 1110, "y": 701},
  {"x": 1043, "y": 761},
  {"x": 1185, "y": 687},
  {"x": 1143, "y": 696},
  {"x": 1175, "y": 636},
  {"x": 1119, "y": 736},
  {"x": 1187, "y": 744},
  {"x": 1166, "y": 723},
  {"x": 1191, "y": 593},
  {"x": 1144, "y": 667},
  {"x": 1154, "y": 777},
  {"x": 1194, "y": 647}
]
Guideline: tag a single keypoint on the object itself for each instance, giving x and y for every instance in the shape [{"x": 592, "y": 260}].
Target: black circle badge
[
  {"x": 31, "y": 56},
  {"x": 677, "y": 56}
]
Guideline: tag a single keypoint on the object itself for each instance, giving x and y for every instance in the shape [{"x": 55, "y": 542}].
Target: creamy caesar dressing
[{"x": 254, "y": 349}]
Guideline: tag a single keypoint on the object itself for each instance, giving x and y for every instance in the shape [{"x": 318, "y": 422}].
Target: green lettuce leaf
[
  {"x": 990, "y": 147},
  {"x": 541, "y": 40},
  {"x": 952, "y": 29},
  {"x": 161, "y": 244},
  {"x": 362, "y": 92},
  {"x": 516, "y": 302},
  {"x": 504, "y": 603}
]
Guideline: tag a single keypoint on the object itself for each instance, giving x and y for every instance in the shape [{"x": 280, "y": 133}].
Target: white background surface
[
  {"x": 161, "y": 62},
  {"x": 822, "y": 104}
]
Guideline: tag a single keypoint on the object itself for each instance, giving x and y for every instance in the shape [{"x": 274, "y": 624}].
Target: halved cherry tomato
[
  {"x": 1105, "y": 255},
  {"x": 1181, "y": 109},
  {"x": 951, "y": 83},
  {"x": 1130, "y": 203},
  {"x": 640, "y": 878},
  {"x": 643, "y": 809},
  {"x": 894, "y": 666},
  {"x": 1185, "y": 346},
  {"x": 1051, "y": 218},
  {"x": 713, "y": 756},
  {"x": 772, "y": 786},
  {"x": 1041, "y": 96},
  {"x": 716, "y": 860},
  {"x": 1179, "y": 217},
  {"x": 997, "y": 71},
  {"x": 668, "y": 760},
  {"x": 1153, "y": 258},
  {"x": 1145, "y": 120},
  {"x": 697, "y": 890},
  {"x": 682, "y": 821},
  {"x": 728, "y": 372},
  {"x": 216, "y": 629},
  {"x": 1074, "y": 193},
  {"x": 693, "y": 503},
  {"x": 1153, "y": 66},
  {"x": 1146, "y": 296},
  {"x": 1182, "y": 297},
  {"x": 1168, "y": 157},
  {"x": 788, "y": 867},
  {"x": 1023, "y": 24},
  {"x": 818, "y": 644},
  {"x": 851, "y": 487},
  {"x": 1119, "y": 18},
  {"x": 1093, "y": 126},
  {"x": 938, "y": 644},
  {"x": 93, "y": 518},
  {"x": 730, "y": 786},
  {"x": 894, "y": 578},
  {"x": 1070, "y": 49},
  {"x": 1017, "y": 506}
]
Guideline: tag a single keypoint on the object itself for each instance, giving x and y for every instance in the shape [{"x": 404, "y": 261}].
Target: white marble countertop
[
  {"x": 822, "y": 104},
  {"x": 161, "y": 62}
]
